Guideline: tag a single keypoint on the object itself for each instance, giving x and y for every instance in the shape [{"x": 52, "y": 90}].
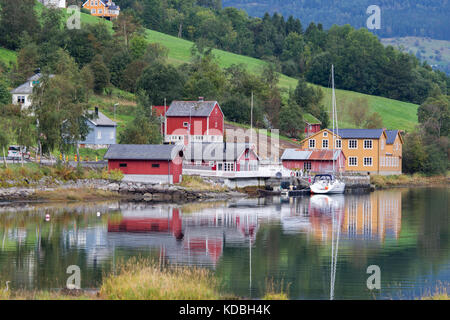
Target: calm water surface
[{"x": 316, "y": 246}]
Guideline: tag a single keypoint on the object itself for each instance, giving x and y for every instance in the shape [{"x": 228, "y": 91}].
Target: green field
[
  {"x": 395, "y": 114},
  {"x": 7, "y": 56},
  {"x": 435, "y": 52}
]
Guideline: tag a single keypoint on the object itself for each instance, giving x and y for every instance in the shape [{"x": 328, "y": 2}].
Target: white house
[
  {"x": 22, "y": 94},
  {"x": 54, "y": 3}
]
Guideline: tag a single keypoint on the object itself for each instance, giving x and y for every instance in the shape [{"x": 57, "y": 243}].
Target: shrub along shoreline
[{"x": 404, "y": 180}]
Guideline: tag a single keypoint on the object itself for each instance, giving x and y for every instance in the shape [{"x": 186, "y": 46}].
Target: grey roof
[
  {"x": 102, "y": 120},
  {"x": 215, "y": 151},
  {"x": 191, "y": 108},
  {"x": 391, "y": 135},
  {"x": 142, "y": 151},
  {"x": 358, "y": 133},
  {"x": 25, "y": 88},
  {"x": 299, "y": 154}
]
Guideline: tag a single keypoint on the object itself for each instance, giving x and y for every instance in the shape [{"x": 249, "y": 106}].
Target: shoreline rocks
[{"x": 136, "y": 191}]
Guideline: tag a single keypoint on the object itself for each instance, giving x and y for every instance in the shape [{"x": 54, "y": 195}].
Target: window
[
  {"x": 21, "y": 99},
  {"x": 367, "y": 161},
  {"x": 325, "y": 144},
  {"x": 312, "y": 143},
  {"x": 353, "y": 144},
  {"x": 382, "y": 144},
  {"x": 93, "y": 11},
  {"x": 99, "y": 134},
  {"x": 228, "y": 166},
  {"x": 307, "y": 165},
  {"x": 122, "y": 165},
  {"x": 100, "y": 11},
  {"x": 383, "y": 161},
  {"x": 211, "y": 163},
  {"x": 185, "y": 124},
  {"x": 111, "y": 135},
  {"x": 155, "y": 165},
  {"x": 367, "y": 144},
  {"x": 338, "y": 144},
  {"x": 352, "y": 161},
  {"x": 325, "y": 134}
]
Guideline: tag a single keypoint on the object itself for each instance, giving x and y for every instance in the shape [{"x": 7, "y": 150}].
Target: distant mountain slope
[
  {"x": 435, "y": 52},
  {"x": 399, "y": 18}
]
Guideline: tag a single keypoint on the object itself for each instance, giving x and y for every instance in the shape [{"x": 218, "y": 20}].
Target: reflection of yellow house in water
[{"x": 374, "y": 216}]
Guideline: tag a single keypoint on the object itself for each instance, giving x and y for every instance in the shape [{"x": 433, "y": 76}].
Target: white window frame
[
  {"x": 325, "y": 134},
  {"x": 349, "y": 144},
  {"x": 111, "y": 135},
  {"x": 336, "y": 143},
  {"x": 99, "y": 135},
  {"x": 352, "y": 165},
  {"x": 369, "y": 142},
  {"x": 307, "y": 165},
  {"x": 323, "y": 142},
  {"x": 309, "y": 143},
  {"x": 367, "y": 159},
  {"x": 382, "y": 144},
  {"x": 93, "y": 10}
]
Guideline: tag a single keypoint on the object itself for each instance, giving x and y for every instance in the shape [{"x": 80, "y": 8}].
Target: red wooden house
[
  {"x": 194, "y": 121},
  {"x": 312, "y": 124},
  {"x": 152, "y": 163},
  {"x": 318, "y": 161},
  {"x": 222, "y": 156}
]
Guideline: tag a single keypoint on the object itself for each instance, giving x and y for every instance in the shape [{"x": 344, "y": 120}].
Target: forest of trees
[
  {"x": 399, "y": 18},
  {"x": 297, "y": 49}
]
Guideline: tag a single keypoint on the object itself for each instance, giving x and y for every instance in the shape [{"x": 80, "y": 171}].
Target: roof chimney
[
  {"x": 200, "y": 99},
  {"x": 96, "y": 111}
]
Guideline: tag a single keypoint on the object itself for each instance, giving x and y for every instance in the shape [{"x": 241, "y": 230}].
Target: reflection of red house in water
[{"x": 139, "y": 224}]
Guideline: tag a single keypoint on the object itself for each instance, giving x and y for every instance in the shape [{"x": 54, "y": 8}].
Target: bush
[{"x": 115, "y": 175}]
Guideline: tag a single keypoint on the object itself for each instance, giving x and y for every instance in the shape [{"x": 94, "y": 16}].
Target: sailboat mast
[{"x": 333, "y": 104}]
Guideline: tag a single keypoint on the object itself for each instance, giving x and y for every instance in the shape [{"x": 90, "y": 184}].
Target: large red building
[
  {"x": 194, "y": 121},
  {"x": 153, "y": 163},
  {"x": 317, "y": 161}
]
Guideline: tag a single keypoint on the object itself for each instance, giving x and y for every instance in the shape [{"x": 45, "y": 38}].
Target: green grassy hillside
[
  {"x": 395, "y": 114},
  {"x": 7, "y": 56}
]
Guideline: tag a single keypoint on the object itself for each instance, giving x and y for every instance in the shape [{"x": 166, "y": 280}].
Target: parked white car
[{"x": 14, "y": 153}]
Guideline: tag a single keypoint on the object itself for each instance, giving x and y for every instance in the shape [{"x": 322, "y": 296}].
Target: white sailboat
[{"x": 328, "y": 183}]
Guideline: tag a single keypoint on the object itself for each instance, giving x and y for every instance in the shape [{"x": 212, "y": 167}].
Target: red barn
[
  {"x": 194, "y": 121},
  {"x": 318, "y": 161},
  {"x": 151, "y": 163}
]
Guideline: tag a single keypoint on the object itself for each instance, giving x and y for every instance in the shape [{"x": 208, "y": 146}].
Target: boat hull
[{"x": 335, "y": 187}]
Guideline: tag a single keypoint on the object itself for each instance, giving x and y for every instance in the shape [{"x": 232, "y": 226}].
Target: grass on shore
[
  {"x": 145, "y": 280},
  {"x": 416, "y": 179},
  {"x": 31, "y": 174},
  {"x": 198, "y": 184}
]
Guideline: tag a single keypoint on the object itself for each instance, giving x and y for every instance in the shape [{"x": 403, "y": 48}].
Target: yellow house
[
  {"x": 367, "y": 151},
  {"x": 102, "y": 8}
]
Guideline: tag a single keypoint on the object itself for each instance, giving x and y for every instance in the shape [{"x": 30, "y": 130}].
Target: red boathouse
[
  {"x": 318, "y": 161},
  {"x": 147, "y": 162}
]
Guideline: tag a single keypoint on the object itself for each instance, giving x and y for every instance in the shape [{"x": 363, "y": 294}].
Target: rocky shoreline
[{"x": 136, "y": 191}]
